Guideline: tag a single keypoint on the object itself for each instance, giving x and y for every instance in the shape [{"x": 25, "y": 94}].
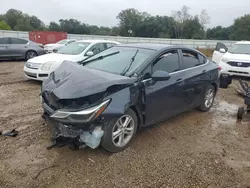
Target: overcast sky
[{"x": 104, "y": 12}]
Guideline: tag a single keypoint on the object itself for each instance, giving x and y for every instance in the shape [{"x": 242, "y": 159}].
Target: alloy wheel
[
  {"x": 209, "y": 98},
  {"x": 123, "y": 131},
  {"x": 31, "y": 54}
]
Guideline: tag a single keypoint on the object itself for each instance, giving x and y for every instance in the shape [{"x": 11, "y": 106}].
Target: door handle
[
  {"x": 204, "y": 71},
  {"x": 179, "y": 80}
]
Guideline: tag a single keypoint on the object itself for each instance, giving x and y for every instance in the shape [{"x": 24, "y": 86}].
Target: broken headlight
[{"x": 81, "y": 116}]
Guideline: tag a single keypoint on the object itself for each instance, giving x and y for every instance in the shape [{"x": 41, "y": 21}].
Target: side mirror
[
  {"x": 89, "y": 53},
  {"x": 160, "y": 76},
  {"x": 222, "y": 50}
]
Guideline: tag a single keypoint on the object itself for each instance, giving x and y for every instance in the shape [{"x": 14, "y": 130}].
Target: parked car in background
[
  {"x": 234, "y": 61},
  {"x": 123, "y": 88},
  {"x": 40, "y": 67},
  {"x": 18, "y": 48},
  {"x": 56, "y": 46}
]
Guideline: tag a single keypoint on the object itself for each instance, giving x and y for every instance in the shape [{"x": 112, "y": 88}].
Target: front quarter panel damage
[{"x": 129, "y": 97}]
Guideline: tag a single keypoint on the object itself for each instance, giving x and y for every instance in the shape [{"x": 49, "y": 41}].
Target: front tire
[
  {"x": 30, "y": 54},
  {"x": 208, "y": 99},
  {"x": 118, "y": 132}
]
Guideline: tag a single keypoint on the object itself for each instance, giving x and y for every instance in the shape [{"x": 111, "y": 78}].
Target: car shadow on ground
[{"x": 11, "y": 60}]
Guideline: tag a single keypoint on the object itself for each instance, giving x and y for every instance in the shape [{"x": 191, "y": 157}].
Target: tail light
[{"x": 219, "y": 68}]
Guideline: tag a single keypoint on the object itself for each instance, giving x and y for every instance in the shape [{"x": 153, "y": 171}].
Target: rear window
[
  {"x": 190, "y": 59},
  {"x": 4, "y": 41},
  {"x": 18, "y": 41}
]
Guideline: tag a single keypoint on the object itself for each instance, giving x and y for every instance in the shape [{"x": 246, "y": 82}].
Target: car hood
[
  {"x": 55, "y": 57},
  {"x": 237, "y": 57},
  {"x": 71, "y": 81}
]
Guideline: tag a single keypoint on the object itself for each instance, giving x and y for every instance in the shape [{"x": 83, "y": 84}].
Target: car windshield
[
  {"x": 240, "y": 49},
  {"x": 117, "y": 59},
  {"x": 62, "y": 42},
  {"x": 74, "y": 48}
]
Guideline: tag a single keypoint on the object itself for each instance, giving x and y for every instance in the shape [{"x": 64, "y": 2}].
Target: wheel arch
[
  {"x": 139, "y": 115},
  {"x": 29, "y": 50},
  {"x": 215, "y": 86}
]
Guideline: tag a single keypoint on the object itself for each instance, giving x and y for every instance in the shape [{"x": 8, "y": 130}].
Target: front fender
[{"x": 130, "y": 97}]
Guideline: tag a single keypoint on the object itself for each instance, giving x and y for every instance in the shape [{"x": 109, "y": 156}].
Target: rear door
[
  {"x": 193, "y": 66},
  {"x": 217, "y": 55},
  {"x": 4, "y": 47},
  {"x": 18, "y": 47}
]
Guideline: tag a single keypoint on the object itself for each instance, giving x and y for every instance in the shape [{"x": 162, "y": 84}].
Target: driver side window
[{"x": 168, "y": 62}]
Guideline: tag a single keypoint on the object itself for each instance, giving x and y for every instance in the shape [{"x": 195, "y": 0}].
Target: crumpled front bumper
[{"x": 75, "y": 136}]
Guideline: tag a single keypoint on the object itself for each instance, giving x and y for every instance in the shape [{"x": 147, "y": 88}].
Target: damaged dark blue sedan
[{"x": 108, "y": 97}]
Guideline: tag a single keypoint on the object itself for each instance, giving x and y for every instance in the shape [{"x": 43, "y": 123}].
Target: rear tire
[
  {"x": 30, "y": 54},
  {"x": 208, "y": 99},
  {"x": 117, "y": 135}
]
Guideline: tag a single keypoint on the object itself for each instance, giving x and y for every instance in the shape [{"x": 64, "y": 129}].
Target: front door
[
  {"x": 217, "y": 55},
  {"x": 163, "y": 98}
]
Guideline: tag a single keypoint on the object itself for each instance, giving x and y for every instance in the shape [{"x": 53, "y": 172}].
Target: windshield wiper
[
  {"x": 97, "y": 58},
  {"x": 127, "y": 68}
]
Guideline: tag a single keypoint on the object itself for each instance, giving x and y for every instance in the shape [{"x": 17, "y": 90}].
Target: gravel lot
[{"x": 191, "y": 150}]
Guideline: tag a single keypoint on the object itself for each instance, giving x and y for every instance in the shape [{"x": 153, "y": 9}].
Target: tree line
[{"x": 181, "y": 24}]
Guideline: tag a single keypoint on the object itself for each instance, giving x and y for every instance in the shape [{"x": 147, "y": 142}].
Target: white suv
[{"x": 234, "y": 61}]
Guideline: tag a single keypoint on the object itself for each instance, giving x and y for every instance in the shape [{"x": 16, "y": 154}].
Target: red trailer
[{"x": 47, "y": 37}]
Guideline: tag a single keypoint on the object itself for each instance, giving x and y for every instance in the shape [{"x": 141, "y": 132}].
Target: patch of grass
[{"x": 207, "y": 51}]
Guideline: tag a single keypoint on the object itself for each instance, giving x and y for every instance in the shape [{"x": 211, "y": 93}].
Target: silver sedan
[{"x": 18, "y": 48}]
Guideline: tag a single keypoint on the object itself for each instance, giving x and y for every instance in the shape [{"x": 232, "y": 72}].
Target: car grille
[
  {"x": 238, "y": 64},
  {"x": 33, "y": 75},
  {"x": 239, "y": 72},
  {"x": 33, "y": 65}
]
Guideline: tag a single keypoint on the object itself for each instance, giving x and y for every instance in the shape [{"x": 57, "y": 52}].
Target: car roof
[
  {"x": 97, "y": 41},
  {"x": 155, "y": 46},
  {"x": 243, "y": 42}
]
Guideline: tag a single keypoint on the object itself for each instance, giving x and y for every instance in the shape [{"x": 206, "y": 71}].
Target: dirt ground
[{"x": 191, "y": 150}]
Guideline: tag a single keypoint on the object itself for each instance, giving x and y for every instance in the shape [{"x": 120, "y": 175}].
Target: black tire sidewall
[
  {"x": 203, "y": 107},
  {"x": 107, "y": 142},
  {"x": 26, "y": 55}
]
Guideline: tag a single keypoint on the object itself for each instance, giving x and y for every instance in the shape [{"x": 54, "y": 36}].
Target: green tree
[
  {"x": 23, "y": 24},
  {"x": 241, "y": 28},
  {"x": 219, "y": 33},
  {"x": 53, "y": 26},
  {"x": 130, "y": 20},
  {"x": 73, "y": 26},
  {"x": 36, "y": 23},
  {"x": 12, "y": 16},
  {"x": 115, "y": 31},
  {"x": 180, "y": 16},
  {"x": 4, "y": 26},
  {"x": 192, "y": 29}
]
